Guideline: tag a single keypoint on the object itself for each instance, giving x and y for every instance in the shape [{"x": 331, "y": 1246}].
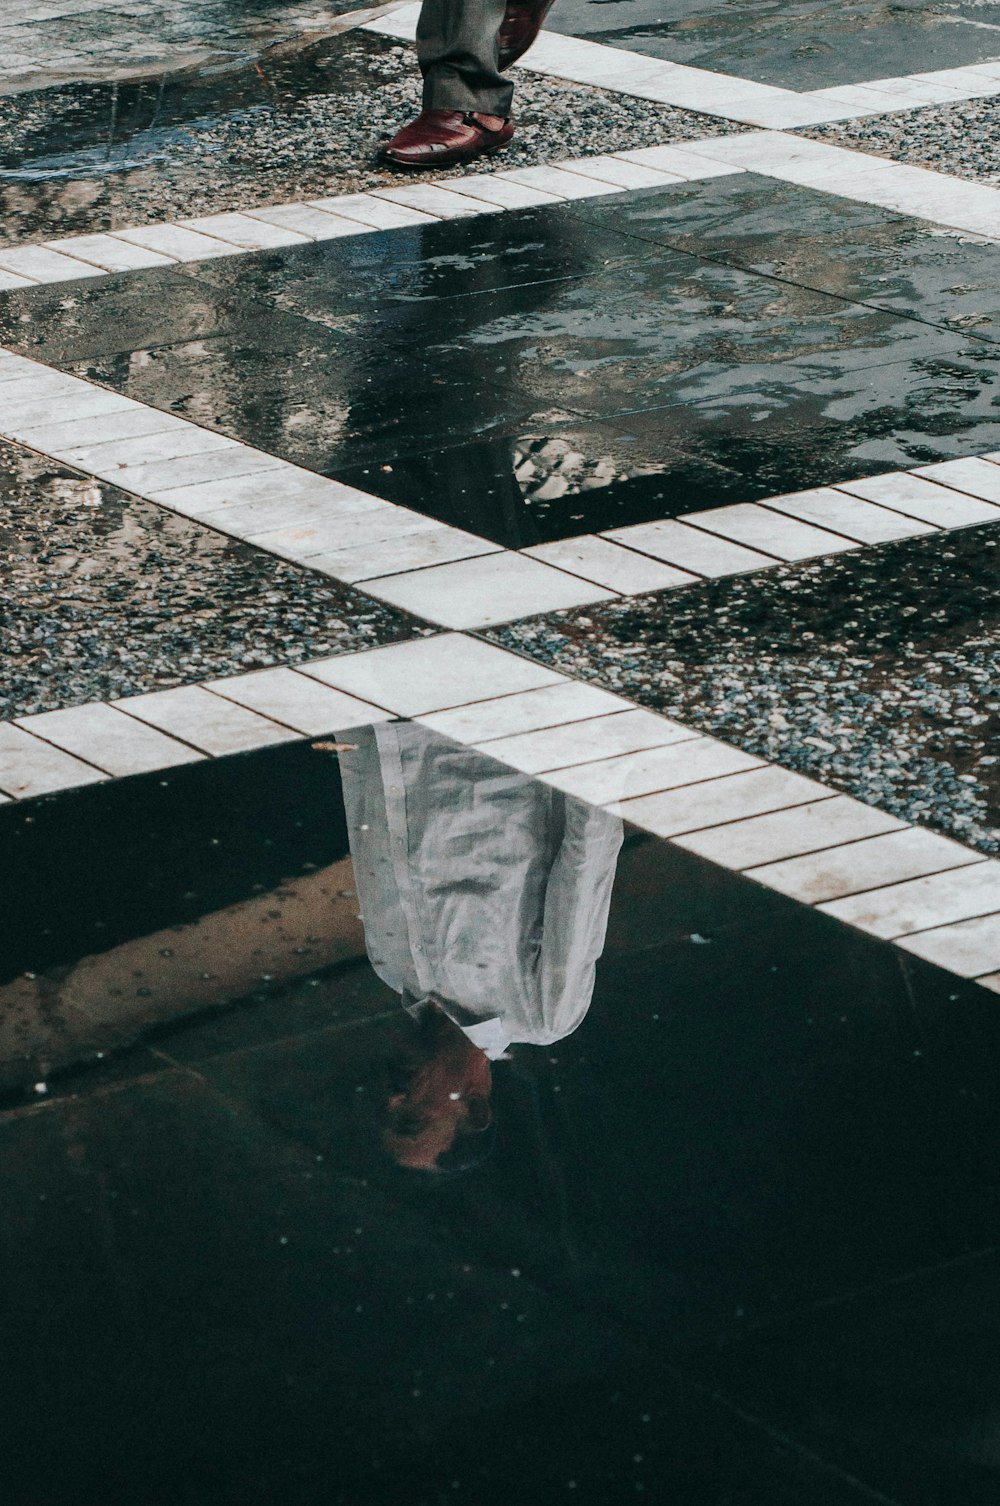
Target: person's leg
[{"x": 457, "y": 52}]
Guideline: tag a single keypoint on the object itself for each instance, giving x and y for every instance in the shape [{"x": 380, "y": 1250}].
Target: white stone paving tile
[
  {"x": 108, "y": 739},
  {"x": 300, "y": 507},
  {"x": 297, "y": 701},
  {"x": 42, "y": 409},
  {"x": 30, "y": 767},
  {"x": 107, "y": 457},
  {"x": 238, "y": 460},
  {"x": 869, "y": 864},
  {"x": 921, "y": 903},
  {"x": 916, "y": 497},
  {"x": 378, "y": 214},
  {"x": 587, "y": 741},
  {"x": 866, "y": 99},
  {"x": 929, "y": 89},
  {"x": 733, "y": 798},
  {"x": 688, "y": 761},
  {"x": 330, "y": 530},
  {"x": 315, "y": 224},
  {"x": 250, "y": 233},
  {"x": 968, "y": 948},
  {"x": 552, "y": 706},
  {"x": 431, "y": 674},
  {"x": 850, "y": 516},
  {"x": 561, "y": 185},
  {"x": 492, "y": 189},
  {"x": 978, "y": 478},
  {"x": 436, "y": 200},
  {"x": 399, "y": 552},
  {"x": 790, "y": 833},
  {"x": 176, "y": 242},
  {"x": 481, "y": 592},
  {"x": 203, "y": 497},
  {"x": 65, "y": 435},
  {"x": 774, "y": 154},
  {"x": 110, "y": 253},
  {"x": 622, "y": 173},
  {"x": 756, "y": 527},
  {"x": 677, "y": 162},
  {"x": 11, "y": 280},
  {"x": 206, "y": 721},
  {"x": 689, "y": 548},
  {"x": 611, "y": 565},
  {"x": 41, "y": 264}
]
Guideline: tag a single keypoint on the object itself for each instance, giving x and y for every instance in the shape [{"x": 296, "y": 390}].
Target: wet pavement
[
  {"x": 111, "y": 596},
  {"x": 384, "y": 1126},
  {"x": 624, "y": 1258}
]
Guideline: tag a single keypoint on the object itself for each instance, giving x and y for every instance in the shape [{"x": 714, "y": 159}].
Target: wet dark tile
[
  {"x": 873, "y": 671},
  {"x": 807, "y": 45},
  {"x": 111, "y": 596}
]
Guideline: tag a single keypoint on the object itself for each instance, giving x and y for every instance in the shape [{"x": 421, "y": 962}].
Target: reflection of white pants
[{"x": 457, "y": 52}]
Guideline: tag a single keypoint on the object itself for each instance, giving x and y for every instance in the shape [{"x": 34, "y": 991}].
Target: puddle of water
[{"x": 730, "y": 1119}]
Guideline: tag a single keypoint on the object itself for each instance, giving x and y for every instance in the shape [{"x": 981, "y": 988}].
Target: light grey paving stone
[
  {"x": 401, "y": 552},
  {"x": 865, "y": 98},
  {"x": 30, "y": 767},
  {"x": 773, "y": 152},
  {"x": 756, "y": 527},
  {"x": 689, "y": 549},
  {"x": 177, "y": 243},
  {"x": 619, "y": 171},
  {"x": 433, "y": 199},
  {"x": 789, "y": 833},
  {"x": 431, "y": 674},
  {"x": 62, "y": 437},
  {"x": 979, "y": 478},
  {"x": 588, "y": 741},
  {"x": 501, "y": 192},
  {"x": 110, "y": 456},
  {"x": 852, "y": 517},
  {"x": 109, "y": 739},
  {"x": 200, "y": 498},
  {"x": 685, "y": 762},
  {"x": 611, "y": 565},
  {"x": 330, "y": 531},
  {"x": 678, "y": 162},
  {"x": 299, "y": 508},
  {"x": 16, "y": 417},
  {"x": 41, "y": 264},
  {"x": 916, "y": 497},
  {"x": 162, "y": 475},
  {"x": 562, "y": 185},
  {"x": 377, "y": 214},
  {"x": 109, "y": 253},
  {"x": 967, "y": 948},
  {"x": 733, "y": 798},
  {"x": 485, "y": 591},
  {"x": 250, "y": 233},
  {"x": 204, "y": 720},
  {"x": 869, "y": 864},
  {"x": 921, "y": 903},
  {"x": 552, "y": 706},
  {"x": 315, "y": 224},
  {"x": 10, "y": 280},
  {"x": 297, "y": 701},
  {"x": 926, "y": 89}
]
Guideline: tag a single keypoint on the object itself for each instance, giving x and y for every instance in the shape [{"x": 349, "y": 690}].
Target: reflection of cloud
[{"x": 547, "y": 469}]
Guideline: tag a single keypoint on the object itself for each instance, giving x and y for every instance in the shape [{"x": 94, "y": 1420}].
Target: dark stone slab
[
  {"x": 811, "y": 44},
  {"x": 873, "y": 671},
  {"x": 112, "y": 596}
]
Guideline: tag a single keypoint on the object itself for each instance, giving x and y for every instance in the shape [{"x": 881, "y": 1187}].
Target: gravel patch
[
  {"x": 80, "y": 159},
  {"x": 876, "y": 672},
  {"x": 963, "y": 139},
  {"x": 109, "y": 596}
]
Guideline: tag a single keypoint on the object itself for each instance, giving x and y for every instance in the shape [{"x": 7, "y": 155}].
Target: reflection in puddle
[{"x": 485, "y": 899}]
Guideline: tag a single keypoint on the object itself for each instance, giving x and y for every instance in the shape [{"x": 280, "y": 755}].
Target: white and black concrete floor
[{"x": 655, "y": 469}]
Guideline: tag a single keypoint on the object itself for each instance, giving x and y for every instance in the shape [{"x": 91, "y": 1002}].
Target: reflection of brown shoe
[
  {"x": 521, "y": 24},
  {"x": 442, "y": 138}
]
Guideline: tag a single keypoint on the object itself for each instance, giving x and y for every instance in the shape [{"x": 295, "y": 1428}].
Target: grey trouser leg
[{"x": 457, "y": 53}]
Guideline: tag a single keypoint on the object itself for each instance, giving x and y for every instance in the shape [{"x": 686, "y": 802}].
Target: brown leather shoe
[
  {"x": 521, "y": 24},
  {"x": 442, "y": 138}
]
